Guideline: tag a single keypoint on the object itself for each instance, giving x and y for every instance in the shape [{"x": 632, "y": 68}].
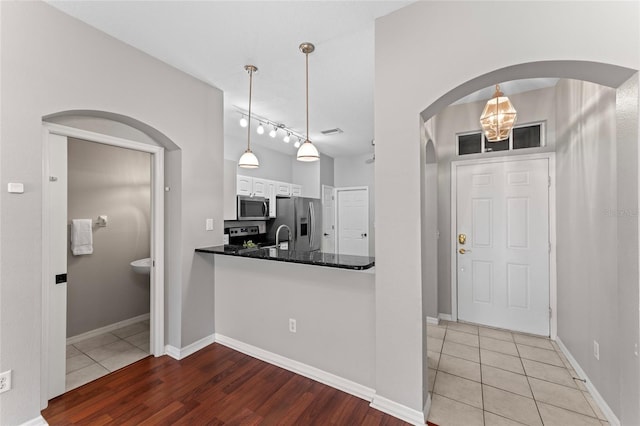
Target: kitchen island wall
[{"x": 334, "y": 311}]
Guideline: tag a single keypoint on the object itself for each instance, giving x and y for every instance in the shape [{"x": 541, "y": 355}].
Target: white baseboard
[
  {"x": 179, "y": 354},
  {"x": 106, "y": 329},
  {"x": 446, "y": 317},
  {"x": 305, "y": 370},
  {"x": 400, "y": 411},
  {"x": 604, "y": 407},
  {"x": 432, "y": 320},
  {"x": 38, "y": 421}
]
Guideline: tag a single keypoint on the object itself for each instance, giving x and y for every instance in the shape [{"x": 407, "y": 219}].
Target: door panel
[
  {"x": 328, "y": 220},
  {"x": 57, "y": 306},
  {"x": 353, "y": 221},
  {"x": 503, "y": 271}
]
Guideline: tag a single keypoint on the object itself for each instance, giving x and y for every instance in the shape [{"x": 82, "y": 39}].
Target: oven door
[{"x": 253, "y": 208}]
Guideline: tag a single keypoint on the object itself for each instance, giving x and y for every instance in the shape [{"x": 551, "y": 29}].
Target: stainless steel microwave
[{"x": 253, "y": 208}]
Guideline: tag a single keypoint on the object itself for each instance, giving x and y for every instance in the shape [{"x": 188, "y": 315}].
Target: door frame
[
  {"x": 553, "y": 289},
  {"x": 334, "y": 213},
  {"x": 337, "y": 215},
  {"x": 157, "y": 236}
]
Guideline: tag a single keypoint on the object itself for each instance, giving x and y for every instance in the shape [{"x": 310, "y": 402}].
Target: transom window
[{"x": 525, "y": 136}]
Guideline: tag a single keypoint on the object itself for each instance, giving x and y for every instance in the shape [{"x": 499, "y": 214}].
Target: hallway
[{"x": 484, "y": 376}]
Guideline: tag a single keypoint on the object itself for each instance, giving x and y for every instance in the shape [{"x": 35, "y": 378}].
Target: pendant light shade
[
  {"x": 498, "y": 117},
  {"x": 307, "y": 151},
  {"x": 248, "y": 159}
]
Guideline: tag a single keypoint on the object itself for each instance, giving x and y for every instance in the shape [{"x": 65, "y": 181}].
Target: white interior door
[
  {"x": 328, "y": 219},
  {"x": 353, "y": 221},
  {"x": 502, "y": 244},
  {"x": 56, "y": 282}
]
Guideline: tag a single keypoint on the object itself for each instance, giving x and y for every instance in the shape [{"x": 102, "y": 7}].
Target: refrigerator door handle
[{"x": 311, "y": 225}]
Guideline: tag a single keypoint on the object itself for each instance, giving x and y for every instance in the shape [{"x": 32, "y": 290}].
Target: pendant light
[
  {"x": 248, "y": 159},
  {"x": 307, "y": 151},
  {"x": 498, "y": 117}
]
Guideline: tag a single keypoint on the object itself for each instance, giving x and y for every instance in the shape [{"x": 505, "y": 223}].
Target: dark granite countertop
[{"x": 317, "y": 258}]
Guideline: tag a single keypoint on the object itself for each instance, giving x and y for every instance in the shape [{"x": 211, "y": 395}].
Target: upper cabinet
[
  {"x": 253, "y": 187},
  {"x": 258, "y": 187}
]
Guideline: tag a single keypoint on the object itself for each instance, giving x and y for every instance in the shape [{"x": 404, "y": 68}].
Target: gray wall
[
  {"x": 587, "y": 229},
  {"x": 408, "y": 83},
  {"x": 51, "y": 63},
  {"x": 334, "y": 310},
  {"x": 274, "y": 165},
  {"x": 354, "y": 171},
  {"x": 102, "y": 288},
  {"x": 627, "y": 133},
  {"x": 532, "y": 106}
]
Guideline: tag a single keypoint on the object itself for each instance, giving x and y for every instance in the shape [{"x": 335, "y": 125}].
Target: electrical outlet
[
  {"x": 596, "y": 350},
  {"x": 292, "y": 325},
  {"x": 5, "y": 381}
]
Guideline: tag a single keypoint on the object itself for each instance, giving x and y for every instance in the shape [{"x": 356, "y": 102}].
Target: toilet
[{"x": 142, "y": 266}]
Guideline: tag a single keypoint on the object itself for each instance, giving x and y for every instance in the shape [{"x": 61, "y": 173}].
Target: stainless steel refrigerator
[{"x": 304, "y": 217}]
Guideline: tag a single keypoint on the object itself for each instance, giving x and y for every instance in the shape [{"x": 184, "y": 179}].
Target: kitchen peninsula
[
  {"x": 309, "y": 312},
  {"x": 317, "y": 258}
]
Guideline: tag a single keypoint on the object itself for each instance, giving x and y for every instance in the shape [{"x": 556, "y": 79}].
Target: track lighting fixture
[
  {"x": 297, "y": 143},
  {"x": 260, "y": 129},
  {"x": 287, "y": 137},
  {"x": 243, "y": 121},
  {"x": 273, "y": 132}
]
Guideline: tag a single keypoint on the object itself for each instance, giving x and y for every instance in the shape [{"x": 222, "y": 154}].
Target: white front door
[
  {"x": 502, "y": 244},
  {"x": 328, "y": 219},
  {"x": 353, "y": 221},
  {"x": 56, "y": 282}
]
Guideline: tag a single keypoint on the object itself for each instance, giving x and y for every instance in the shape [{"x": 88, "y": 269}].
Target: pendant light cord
[
  {"x": 307, "y": 79},
  {"x": 249, "y": 125}
]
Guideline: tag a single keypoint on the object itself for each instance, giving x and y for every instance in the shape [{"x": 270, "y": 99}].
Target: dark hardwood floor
[{"x": 215, "y": 386}]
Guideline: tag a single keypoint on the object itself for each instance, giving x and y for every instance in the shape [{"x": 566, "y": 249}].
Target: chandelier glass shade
[{"x": 498, "y": 117}]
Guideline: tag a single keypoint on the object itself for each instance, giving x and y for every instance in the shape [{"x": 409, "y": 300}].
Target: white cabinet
[
  {"x": 253, "y": 187},
  {"x": 271, "y": 195},
  {"x": 296, "y": 190},
  {"x": 244, "y": 185},
  {"x": 283, "y": 189},
  {"x": 260, "y": 188}
]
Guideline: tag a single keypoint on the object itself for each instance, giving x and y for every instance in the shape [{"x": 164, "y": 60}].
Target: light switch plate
[
  {"x": 209, "y": 225},
  {"x": 15, "y": 188}
]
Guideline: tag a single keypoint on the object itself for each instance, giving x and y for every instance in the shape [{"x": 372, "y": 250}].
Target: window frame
[{"x": 483, "y": 140}]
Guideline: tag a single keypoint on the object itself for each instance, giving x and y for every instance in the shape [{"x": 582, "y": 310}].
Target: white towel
[{"x": 81, "y": 236}]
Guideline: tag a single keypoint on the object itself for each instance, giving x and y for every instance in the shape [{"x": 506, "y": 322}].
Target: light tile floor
[
  {"x": 97, "y": 356},
  {"x": 486, "y": 376}
]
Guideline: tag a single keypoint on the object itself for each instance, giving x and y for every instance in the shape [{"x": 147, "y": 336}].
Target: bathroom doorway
[{"x": 110, "y": 310}]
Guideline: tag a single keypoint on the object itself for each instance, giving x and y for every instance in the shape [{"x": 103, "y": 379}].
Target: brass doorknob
[
  {"x": 462, "y": 238},
  {"x": 463, "y": 251}
]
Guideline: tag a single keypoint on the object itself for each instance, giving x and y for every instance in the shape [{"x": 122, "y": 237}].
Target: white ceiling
[{"x": 213, "y": 40}]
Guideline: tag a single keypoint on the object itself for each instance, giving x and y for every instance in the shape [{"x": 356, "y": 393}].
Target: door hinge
[
  {"x": 550, "y": 313},
  {"x": 549, "y": 181}
]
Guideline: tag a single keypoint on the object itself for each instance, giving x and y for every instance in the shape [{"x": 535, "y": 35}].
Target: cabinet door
[
  {"x": 260, "y": 188},
  {"x": 296, "y": 190},
  {"x": 244, "y": 185},
  {"x": 271, "y": 191},
  {"x": 283, "y": 189}
]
